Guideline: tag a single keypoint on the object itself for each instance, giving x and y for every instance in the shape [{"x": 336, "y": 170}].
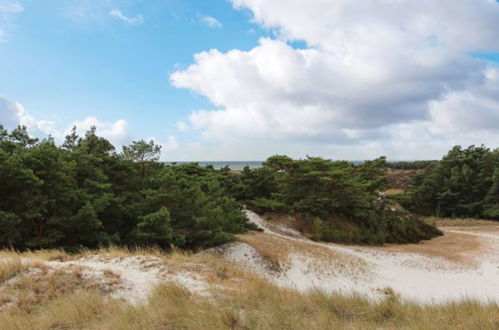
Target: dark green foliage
[
  {"x": 465, "y": 183},
  {"x": 156, "y": 228},
  {"x": 411, "y": 165},
  {"x": 329, "y": 193},
  {"x": 84, "y": 194},
  {"x": 9, "y": 236}
]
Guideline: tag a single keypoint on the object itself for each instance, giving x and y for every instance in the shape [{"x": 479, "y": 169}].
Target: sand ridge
[{"x": 461, "y": 264}]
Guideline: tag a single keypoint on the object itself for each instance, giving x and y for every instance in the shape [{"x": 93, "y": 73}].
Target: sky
[{"x": 247, "y": 79}]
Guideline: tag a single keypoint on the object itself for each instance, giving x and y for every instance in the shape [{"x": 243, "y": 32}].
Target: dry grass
[
  {"x": 277, "y": 250},
  {"x": 458, "y": 248},
  {"x": 44, "y": 255},
  {"x": 38, "y": 284},
  {"x": 239, "y": 301},
  {"x": 257, "y": 305},
  {"x": 393, "y": 191},
  {"x": 457, "y": 222}
]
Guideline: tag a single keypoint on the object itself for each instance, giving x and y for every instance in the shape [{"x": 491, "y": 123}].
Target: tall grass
[{"x": 240, "y": 300}]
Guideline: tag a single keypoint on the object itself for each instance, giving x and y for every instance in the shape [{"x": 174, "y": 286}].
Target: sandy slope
[
  {"x": 421, "y": 276},
  {"x": 131, "y": 278},
  {"x": 462, "y": 263}
]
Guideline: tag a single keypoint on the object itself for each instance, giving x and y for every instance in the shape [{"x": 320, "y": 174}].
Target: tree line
[
  {"x": 85, "y": 194},
  {"x": 411, "y": 165},
  {"x": 465, "y": 183}
]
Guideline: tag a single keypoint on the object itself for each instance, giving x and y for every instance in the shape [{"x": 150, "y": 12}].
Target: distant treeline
[
  {"x": 411, "y": 165},
  {"x": 465, "y": 183}
]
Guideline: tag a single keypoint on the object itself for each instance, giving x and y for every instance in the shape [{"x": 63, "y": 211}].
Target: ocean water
[
  {"x": 237, "y": 165},
  {"x": 233, "y": 165}
]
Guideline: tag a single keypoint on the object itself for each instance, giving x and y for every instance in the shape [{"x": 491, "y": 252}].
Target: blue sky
[
  {"x": 63, "y": 66},
  {"x": 285, "y": 77}
]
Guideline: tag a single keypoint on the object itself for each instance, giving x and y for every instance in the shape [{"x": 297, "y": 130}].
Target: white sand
[
  {"x": 413, "y": 276},
  {"x": 137, "y": 275}
]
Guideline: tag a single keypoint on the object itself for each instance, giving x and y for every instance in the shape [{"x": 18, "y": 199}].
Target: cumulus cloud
[
  {"x": 211, "y": 22},
  {"x": 137, "y": 20},
  {"x": 9, "y": 113},
  {"x": 13, "y": 114},
  {"x": 368, "y": 74},
  {"x": 167, "y": 146},
  {"x": 116, "y": 132}
]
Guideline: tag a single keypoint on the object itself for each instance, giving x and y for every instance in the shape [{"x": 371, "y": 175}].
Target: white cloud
[
  {"x": 137, "y": 20},
  {"x": 13, "y": 114},
  {"x": 8, "y": 11},
  {"x": 211, "y": 22},
  {"x": 116, "y": 132},
  {"x": 10, "y": 6},
  {"x": 3, "y": 35},
  {"x": 9, "y": 113},
  {"x": 181, "y": 126},
  {"x": 368, "y": 74},
  {"x": 170, "y": 145}
]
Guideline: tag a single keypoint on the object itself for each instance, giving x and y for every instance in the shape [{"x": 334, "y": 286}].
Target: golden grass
[
  {"x": 239, "y": 300},
  {"x": 60, "y": 255},
  {"x": 277, "y": 251},
  {"x": 458, "y": 222},
  {"x": 45, "y": 255},
  {"x": 455, "y": 247},
  {"x": 258, "y": 305},
  {"x": 39, "y": 284},
  {"x": 393, "y": 191}
]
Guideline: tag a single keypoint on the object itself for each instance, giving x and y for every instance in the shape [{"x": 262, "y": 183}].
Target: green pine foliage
[
  {"x": 85, "y": 194},
  {"x": 465, "y": 183},
  {"x": 411, "y": 165},
  {"x": 329, "y": 193}
]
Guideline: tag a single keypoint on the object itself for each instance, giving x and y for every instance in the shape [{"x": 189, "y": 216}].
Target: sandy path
[{"x": 414, "y": 276}]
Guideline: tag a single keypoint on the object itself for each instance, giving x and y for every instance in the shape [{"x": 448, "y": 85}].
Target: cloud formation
[
  {"x": 211, "y": 22},
  {"x": 8, "y": 10},
  {"x": 137, "y": 20},
  {"x": 116, "y": 132},
  {"x": 370, "y": 76},
  {"x": 10, "y": 6},
  {"x": 13, "y": 114}
]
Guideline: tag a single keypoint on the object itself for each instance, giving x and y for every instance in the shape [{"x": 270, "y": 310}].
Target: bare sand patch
[{"x": 460, "y": 265}]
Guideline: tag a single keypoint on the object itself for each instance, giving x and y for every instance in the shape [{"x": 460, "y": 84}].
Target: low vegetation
[{"x": 251, "y": 304}]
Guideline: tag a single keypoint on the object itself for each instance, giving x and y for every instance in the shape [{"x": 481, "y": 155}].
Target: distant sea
[
  {"x": 236, "y": 165},
  {"x": 219, "y": 164}
]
